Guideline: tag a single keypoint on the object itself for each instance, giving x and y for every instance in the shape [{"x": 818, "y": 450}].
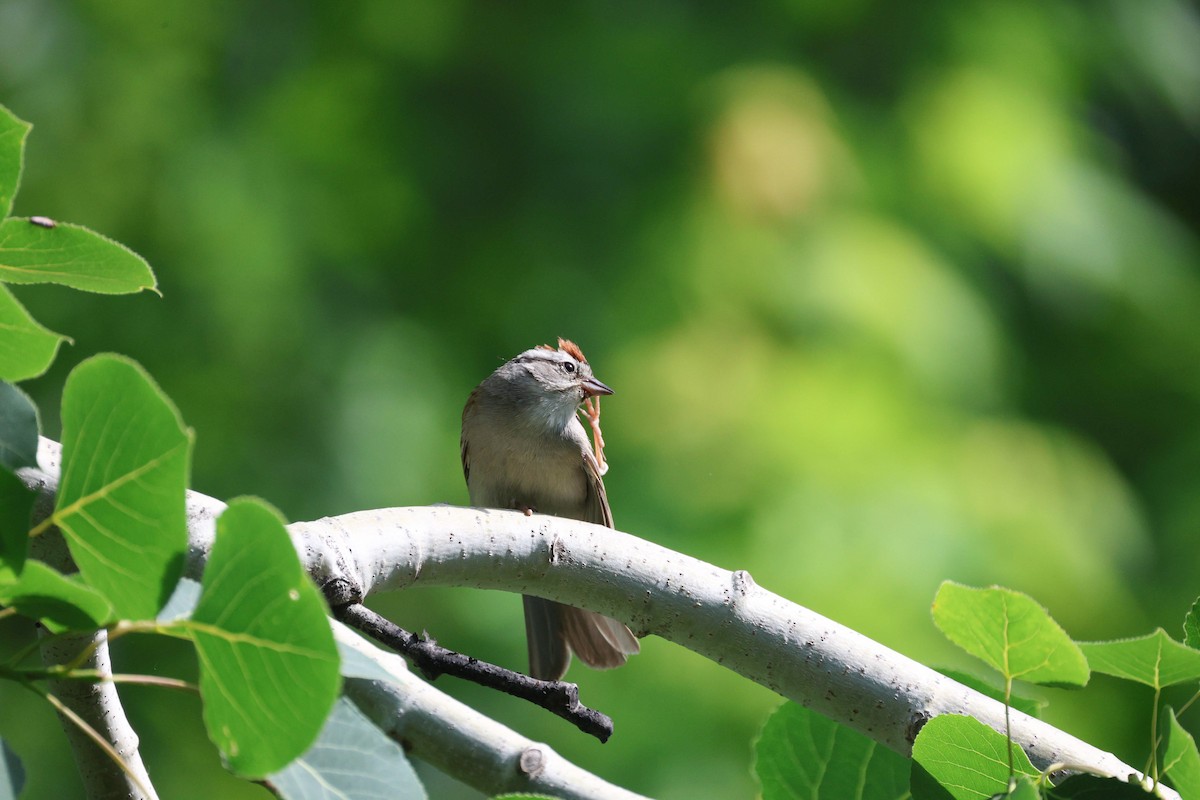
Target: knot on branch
[
  {"x": 532, "y": 761},
  {"x": 741, "y": 585},
  {"x": 915, "y": 724},
  {"x": 341, "y": 592}
]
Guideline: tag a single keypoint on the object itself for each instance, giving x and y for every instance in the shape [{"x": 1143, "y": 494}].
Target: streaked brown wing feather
[
  {"x": 599, "y": 641},
  {"x": 596, "y": 506},
  {"x": 466, "y": 461}
]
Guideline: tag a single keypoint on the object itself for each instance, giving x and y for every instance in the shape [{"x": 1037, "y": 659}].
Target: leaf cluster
[
  {"x": 801, "y": 754},
  {"x": 268, "y": 665}
]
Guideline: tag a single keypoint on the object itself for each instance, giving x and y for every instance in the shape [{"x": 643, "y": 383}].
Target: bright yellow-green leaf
[
  {"x": 268, "y": 662},
  {"x": 801, "y": 754},
  {"x": 969, "y": 759},
  {"x": 1025, "y": 789},
  {"x": 1154, "y": 659},
  {"x": 1181, "y": 762},
  {"x": 70, "y": 255},
  {"x": 121, "y": 499},
  {"x": 1011, "y": 632},
  {"x": 12, "y": 150},
  {"x": 60, "y": 601},
  {"x": 26, "y": 348}
]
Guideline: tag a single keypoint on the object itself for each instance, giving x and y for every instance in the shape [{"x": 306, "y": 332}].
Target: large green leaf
[
  {"x": 71, "y": 255},
  {"x": 1181, "y": 761},
  {"x": 1095, "y": 787},
  {"x": 26, "y": 348},
  {"x": 16, "y": 506},
  {"x": 801, "y": 754},
  {"x": 268, "y": 663},
  {"x": 1011, "y": 632},
  {"x": 1154, "y": 659},
  {"x": 1024, "y": 788},
  {"x": 18, "y": 428},
  {"x": 12, "y": 155},
  {"x": 969, "y": 759},
  {"x": 351, "y": 760},
  {"x": 121, "y": 500},
  {"x": 60, "y": 602}
]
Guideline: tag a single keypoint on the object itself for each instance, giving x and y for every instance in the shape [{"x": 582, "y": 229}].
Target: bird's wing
[
  {"x": 468, "y": 412},
  {"x": 466, "y": 460},
  {"x": 599, "y": 641},
  {"x": 596, "y": 507},
  {"x": 547, "y": 642}
]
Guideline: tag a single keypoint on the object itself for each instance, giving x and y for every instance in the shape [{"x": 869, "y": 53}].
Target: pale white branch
[
  {"x": 95, "y": 703},
  {"x": 98, "y": 705},
  {"x": 722, "y": 615},
  {"x": 428, "y": 723}
]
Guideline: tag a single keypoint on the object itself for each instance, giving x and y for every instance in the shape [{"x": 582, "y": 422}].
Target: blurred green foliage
[{"x": 890, "y": 293}]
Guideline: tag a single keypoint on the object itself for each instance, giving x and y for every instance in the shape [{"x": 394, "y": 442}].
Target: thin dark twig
[{"x": 557, "y": 697}]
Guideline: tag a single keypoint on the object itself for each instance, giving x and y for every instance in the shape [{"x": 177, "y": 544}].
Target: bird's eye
[{"x": 568, "y": 366}]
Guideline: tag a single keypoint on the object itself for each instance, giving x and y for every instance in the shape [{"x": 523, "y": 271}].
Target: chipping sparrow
[{"x": 524, "y": 448}]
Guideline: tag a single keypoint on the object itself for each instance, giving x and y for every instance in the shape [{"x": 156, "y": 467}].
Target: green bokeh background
[{"x": 890, "y": 293}]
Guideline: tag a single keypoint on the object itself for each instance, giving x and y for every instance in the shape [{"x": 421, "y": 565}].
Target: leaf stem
[
  {"x": 1153, "y": 772},
  {"x": 92, "y": 734},
  {"x": 1179, "y": 711}
]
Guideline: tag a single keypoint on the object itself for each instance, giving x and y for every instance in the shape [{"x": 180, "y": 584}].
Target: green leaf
[
  {"x": 268, "y": 662},
  {"x": 121, "y": 501},
  {"x": 351, "y": 760},
  {"x": 12, "y": 774},
  {"x": 924, "y": 786},
  {"x": 1095, "y": 787},
  {"x": 1024, "y": 789},
  {"x": 1191, "y": 626},
  {"x": 1028, "y": 705},
  {"x": 803, "y": 754},
  {"x": 969, "y": 759},
  {"x": 26, "y": 348},
  {"x": 12, "y": 156},
  {"x": 60, "y": 601},
  {"x": 1011, "y": 632},
  {"x": 1181, "y": 762},
  {"x": 1155, "y": 659},
  {"x": 16, "y": 506},
  {"x": 70, "y": 255},
  {"x": 18, "y": 428}
]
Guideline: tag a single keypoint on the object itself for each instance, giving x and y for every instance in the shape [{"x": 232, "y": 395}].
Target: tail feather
[
  {"x": 548, "y": 653},
  {"x": 554, "y": 630}
]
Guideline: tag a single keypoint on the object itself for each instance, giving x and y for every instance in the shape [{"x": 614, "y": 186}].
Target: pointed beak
[{"x": 593, "y": 387}]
